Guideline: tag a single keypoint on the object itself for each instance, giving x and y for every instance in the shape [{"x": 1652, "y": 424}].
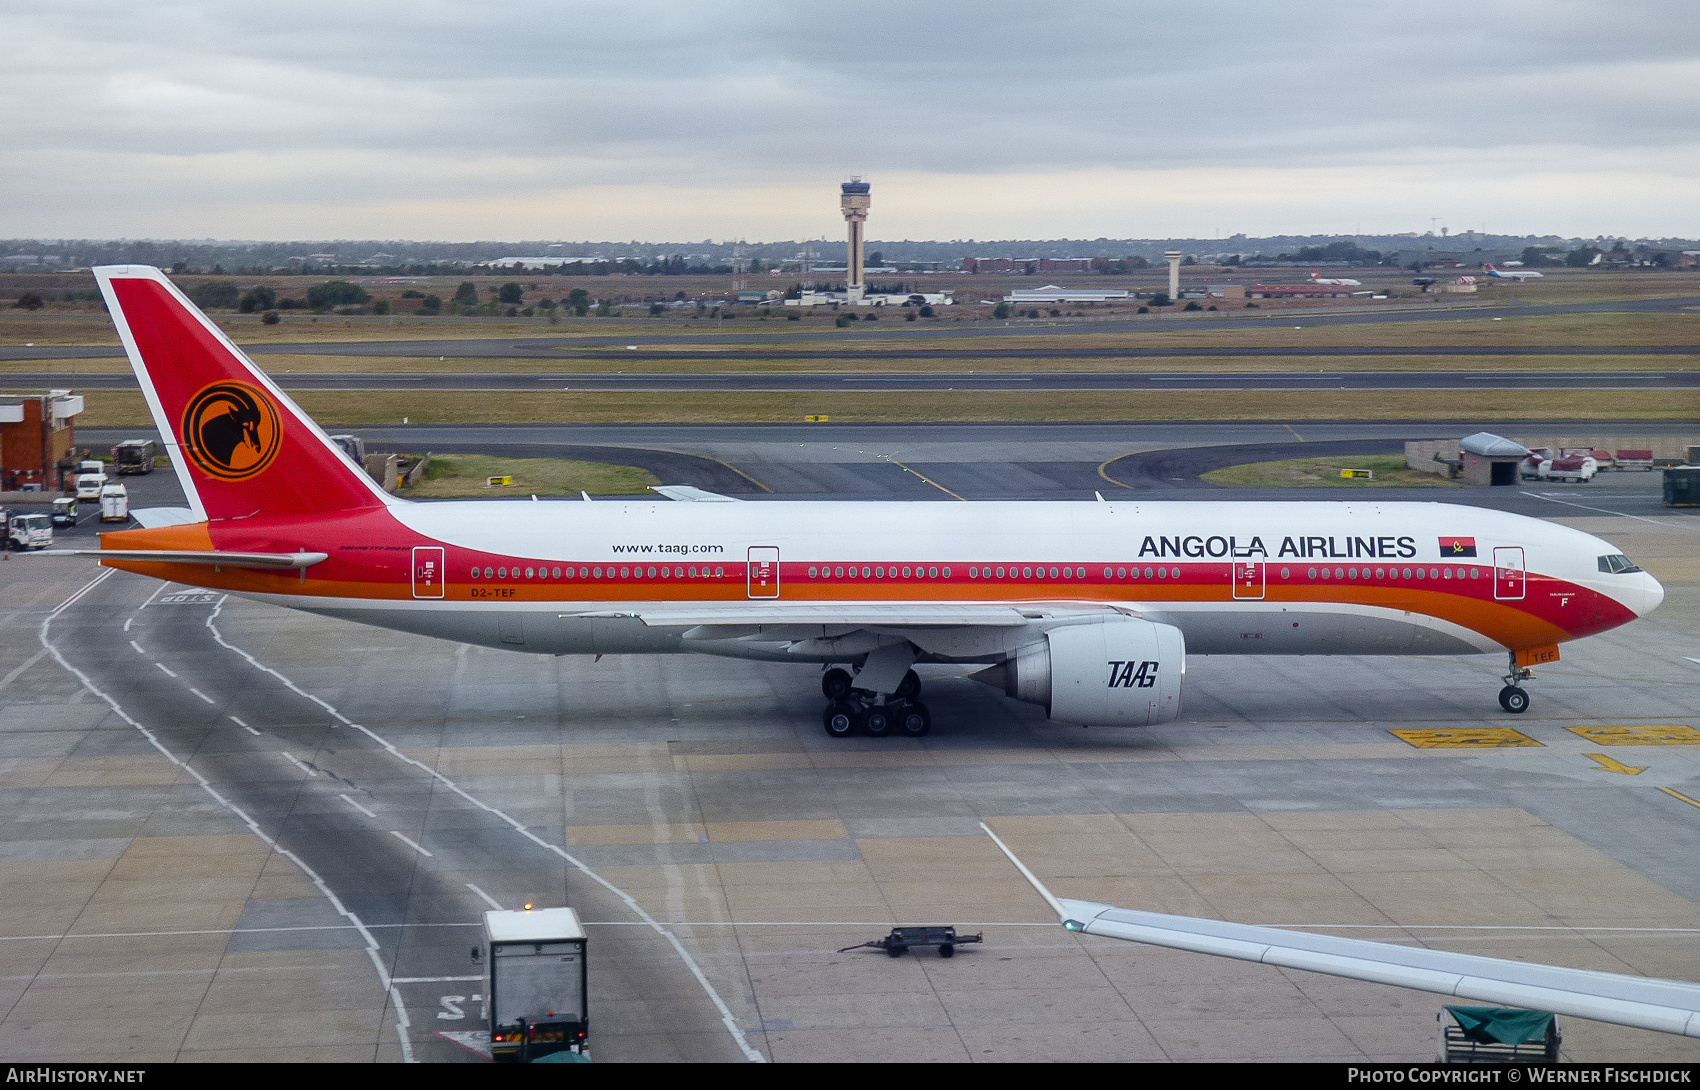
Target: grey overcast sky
[{"x": 440, "y": 119}]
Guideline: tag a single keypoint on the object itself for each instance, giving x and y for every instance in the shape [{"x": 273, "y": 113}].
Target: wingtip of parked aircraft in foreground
[{"x": 1668, "y": 1006}]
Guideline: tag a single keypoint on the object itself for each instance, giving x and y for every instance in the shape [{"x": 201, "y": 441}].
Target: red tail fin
[{"x": 239, "y": 445}]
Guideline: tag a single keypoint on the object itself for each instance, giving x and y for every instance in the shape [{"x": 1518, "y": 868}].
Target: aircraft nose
[{"x": 1647, "y": 595}]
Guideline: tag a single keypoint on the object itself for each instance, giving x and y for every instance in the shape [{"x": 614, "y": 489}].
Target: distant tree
[
  {"x": 1534, "y": 255},
  {"x": 656, "y": 310},
  {"x": 1161, "y": 299},
  {"x": 412, "y": 294},
  {"x": 756, "y": 265},
  {"x": 1344, "y": 250},
  {"x": 512, "y": 312},
  {"x": 927, "y": 310},
  {"x": 842, "y": 320},
  {"x": 467, "y": 293},
  {"x": 270, "y": 317},
  {"x": 215, "y": 293},
  {"x": 909, "y": 316},
  {"x": 511, "y": 294},
  {"x": 1001, "y": 310},
  {"x": 1194, "y": 306},
  {"x": 431, "y": 305},
  {"x": 1056, "y": 313},
  {"x": 29, "y": 300},
  {"x": 258, "y": 297},
  {"x": 382, "y": 306},
  {"x": 793, "y": 317},
  {"x": 579, "y": 300},
  {"x": 876, "y": 258},
  {"x": 336, "y": 293},
  {"x": 1581, "y": 257}
]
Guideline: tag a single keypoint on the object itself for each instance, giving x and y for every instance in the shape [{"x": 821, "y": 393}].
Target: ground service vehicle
[
  {"x": 89, "y": 485},
  {"x": 1087, "y": 610},
  {"x": 537, "y": 983},
  {"x": 29, "y": 532},
  {"x": 64, "y": 511},
  {"x": 114, "y": 503},
  {"x": 134, "y": 456}
]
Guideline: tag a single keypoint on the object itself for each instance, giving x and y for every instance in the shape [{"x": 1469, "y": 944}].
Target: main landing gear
[
  {"x": 850, "y": 709},
  {"x": 1514, "y": 698}
]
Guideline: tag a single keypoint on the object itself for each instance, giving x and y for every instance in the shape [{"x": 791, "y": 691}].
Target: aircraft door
[
  {"x": 1248, "y": 579},
  {"x": 763, "y": 572},
  {"x": 428, "y": 571},
  {"x": 1509, "y": 578}
]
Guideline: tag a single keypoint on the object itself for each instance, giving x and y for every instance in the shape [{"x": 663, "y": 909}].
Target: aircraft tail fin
[{"x": 239, "y": 445}]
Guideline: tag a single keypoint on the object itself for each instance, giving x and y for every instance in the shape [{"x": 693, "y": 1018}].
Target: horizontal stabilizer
[
  {"x": 174, "y": 556},
  {"x": 691, "y": 493}
]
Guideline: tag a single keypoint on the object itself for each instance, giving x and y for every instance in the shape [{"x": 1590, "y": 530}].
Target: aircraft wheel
[
  {"x": 839, "y": 719},
  {"x": 876, "y": 722},
  {"x": 1514, "y": 699},
  {"x": 910, "y": 687},
  {"x": 896, "y": 951},
  {"x": 911, "y": 718},
  {"x": 835, "y": 684},
  {"x": 947, "y": 951}
]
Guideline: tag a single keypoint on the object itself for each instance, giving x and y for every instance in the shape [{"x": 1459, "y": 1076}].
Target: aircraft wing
[
  {"x": 690, "y": 493},
  {"x": 837, "y": 616},
  {"x": 1668, "y": 1006},
  {"x": 176, "y": 556}
]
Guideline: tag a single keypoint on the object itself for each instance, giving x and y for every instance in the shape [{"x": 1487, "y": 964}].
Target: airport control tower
[{"x": 854, "y": 202}]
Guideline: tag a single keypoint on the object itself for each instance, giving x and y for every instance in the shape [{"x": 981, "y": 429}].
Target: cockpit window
[{"x": 1617, "y": 564}]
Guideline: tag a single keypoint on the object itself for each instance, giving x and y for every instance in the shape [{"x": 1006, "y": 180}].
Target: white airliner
[
  {"x": 1511, "y": 274},
  {"x": 1086, "y": 609},
  {"x": 1341, "y": 282},
  {"x": 1668, "y": 1006}
]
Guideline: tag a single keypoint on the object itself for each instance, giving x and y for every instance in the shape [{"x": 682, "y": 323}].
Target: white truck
[
  {"x": 537, "y": 982},
  {"x": 29, "y": 532},
  {"x": 114, "y": 502}
]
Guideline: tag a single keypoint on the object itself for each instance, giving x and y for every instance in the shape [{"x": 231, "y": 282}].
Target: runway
[
  {"x": 413, "y": 779},
  {"x": 993, "y": 381},
  {"x": 541, "y": 345}
]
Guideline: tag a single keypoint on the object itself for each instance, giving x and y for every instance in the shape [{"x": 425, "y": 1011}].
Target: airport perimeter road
[
  {"x": 544, "y": 345},
  {"x": 1034, "y": 381}
]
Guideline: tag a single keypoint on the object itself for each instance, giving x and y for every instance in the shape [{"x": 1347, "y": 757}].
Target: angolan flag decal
[{"x": 1457, "y": 546}]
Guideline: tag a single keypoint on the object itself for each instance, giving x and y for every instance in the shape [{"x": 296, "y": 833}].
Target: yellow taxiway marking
[
  {"x": 1612, "y": 764},
  {"x": 1464, "y": 738},
  {"x": 1662, "y": 734},
  {"x": 1679, "y": 795}
]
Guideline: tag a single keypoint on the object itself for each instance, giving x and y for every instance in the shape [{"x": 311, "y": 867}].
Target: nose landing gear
[
  {"x": 1514, "y": 698},
  {"x": 850, "y": 709}
]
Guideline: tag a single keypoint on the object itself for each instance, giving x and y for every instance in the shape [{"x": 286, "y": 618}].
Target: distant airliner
[
  {"x": 1086, "y": 609},
  {"x": 1342, "y": 282},
  {"x": 1511, "y": 274}
]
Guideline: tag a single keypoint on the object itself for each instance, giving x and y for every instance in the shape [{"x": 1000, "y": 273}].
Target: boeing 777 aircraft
[
  {"x": 1337, "y": 281},
  {"x": 1086, "y": 609}
]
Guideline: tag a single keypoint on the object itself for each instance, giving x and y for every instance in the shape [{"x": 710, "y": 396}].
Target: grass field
[
  {"x": 462, "y": 475},
  {"x": 1389, "y": 469},
  {"x": 126, "y": 409}
]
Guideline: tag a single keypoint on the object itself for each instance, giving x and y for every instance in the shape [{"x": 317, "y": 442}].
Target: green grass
[
  {"x": 466, "y": 475},
  {"x": 1389, "y": 470}
]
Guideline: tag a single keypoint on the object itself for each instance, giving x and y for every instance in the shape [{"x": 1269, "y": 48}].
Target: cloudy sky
[{"x": 432, "y": 119}]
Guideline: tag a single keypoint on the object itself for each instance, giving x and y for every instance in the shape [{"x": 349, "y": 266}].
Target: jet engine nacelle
[{"x": 1120, "y": 673}]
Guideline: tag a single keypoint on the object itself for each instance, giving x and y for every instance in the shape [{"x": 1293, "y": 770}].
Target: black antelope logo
[{"x": 231, "y": 430}]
